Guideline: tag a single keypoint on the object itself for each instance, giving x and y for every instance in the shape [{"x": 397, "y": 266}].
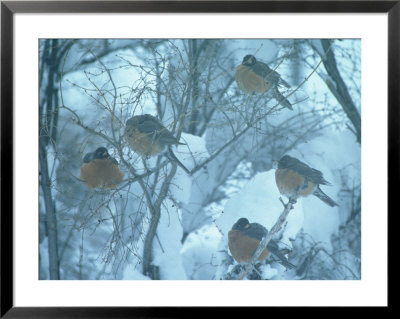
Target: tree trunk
[
  {"x": 51, "y": 220},
  {"x": 339, "y": 89}
]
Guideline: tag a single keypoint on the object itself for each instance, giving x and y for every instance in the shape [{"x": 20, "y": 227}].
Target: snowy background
[{"x": 169, "y": 225}]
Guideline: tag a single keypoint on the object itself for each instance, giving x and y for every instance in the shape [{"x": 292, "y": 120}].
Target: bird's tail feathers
[
  {"x": 170, "y": 154},
  {"x": 325, "y": 198},
  {"x": 283, "y": 82},
  {"x": 283, "y": 259},
  {"x": 169, "y": 139},
  {"x": 282, "y": 100}
]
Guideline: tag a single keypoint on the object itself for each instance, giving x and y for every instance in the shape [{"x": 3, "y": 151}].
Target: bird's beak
[
  {"x": 247, "y": 226},
  {"x": 105, "y": 153}
]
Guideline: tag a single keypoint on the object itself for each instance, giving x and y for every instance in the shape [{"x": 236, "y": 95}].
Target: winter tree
[{"x": 162, "y": 222}]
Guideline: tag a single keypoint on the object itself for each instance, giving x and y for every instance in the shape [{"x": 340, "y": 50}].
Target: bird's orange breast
[
  {"x": 291, "y": 184},
  {"x": 250, "y": 82},
  {"x": 143, "y": 144},
  {"x": 242, "y": 247},
  {"x": 101, "y": 173}
]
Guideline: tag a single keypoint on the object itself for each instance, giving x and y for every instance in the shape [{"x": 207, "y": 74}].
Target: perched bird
[
  {"x": 100, "y": 170},
  {"x": 244, "y": 238},
  {"x": 295, "y": 178},
  {"x": 148, "y": 137},
  {"x": 255, "y": 76}
]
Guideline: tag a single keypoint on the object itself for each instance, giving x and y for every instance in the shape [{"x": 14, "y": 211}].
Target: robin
[
  {"x": 295, "y": 178},
  {"x": 148, "y": 137},
  {"x": 244, "y": 238},
  {"x": 255, "y": 76},
  {"x": 100, "y": 170}
]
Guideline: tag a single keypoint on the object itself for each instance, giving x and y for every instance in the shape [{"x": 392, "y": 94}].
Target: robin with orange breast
[
  {"x": 295, "y": 178},
  {"x": 100, "y": 170},
  {"x": 255, "y": 76},
  {"x": 244, "y": 238},
  {"x": 148, "y": 137}
]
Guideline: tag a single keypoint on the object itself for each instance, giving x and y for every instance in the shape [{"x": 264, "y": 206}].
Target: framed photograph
[{"x": 164, "y": 155}]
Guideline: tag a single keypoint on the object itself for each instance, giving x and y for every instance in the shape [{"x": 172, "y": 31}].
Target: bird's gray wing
[
  {"x": 149, "y": 126},
  {"x": 161, "y": 133},
  {"x": 281, "y": 99},
  {"x": 113, "y": 160},
  {"x": 88, "y": 157},
  {"x": 274, "y": 249},
  {"x": 265, "y": 71},
  {"x": 313, "y": 175},
  {"x": 256, "y": 231}
]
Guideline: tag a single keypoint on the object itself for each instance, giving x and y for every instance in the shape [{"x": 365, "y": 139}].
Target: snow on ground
[
  {"x": 130, "y": 273},
  {"x": 268, "y": 272},
  {"x": 199, "y": 253}
]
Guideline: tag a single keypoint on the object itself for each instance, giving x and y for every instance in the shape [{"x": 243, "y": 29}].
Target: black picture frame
[{"x": 9, "y": 8}]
